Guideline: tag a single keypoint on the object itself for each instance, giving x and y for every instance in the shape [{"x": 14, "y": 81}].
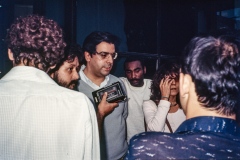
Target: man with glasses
[
  {"x": 99, "y": 52},
  {"x": 39, "y": 119}
]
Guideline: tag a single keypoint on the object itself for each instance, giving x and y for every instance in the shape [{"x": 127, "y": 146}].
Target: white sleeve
[
  {"x": 92, "y": 148},
  {"x": 155, "y": 117}
]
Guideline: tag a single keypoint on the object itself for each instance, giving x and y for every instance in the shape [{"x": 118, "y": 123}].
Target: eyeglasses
[{"x": 105, "y": 55}]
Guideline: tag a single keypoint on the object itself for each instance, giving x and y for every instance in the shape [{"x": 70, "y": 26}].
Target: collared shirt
[
  {"x": 43, "y": 121},
  {"x": 89, "y": 82},
  {"x": 196, "y": 138}
]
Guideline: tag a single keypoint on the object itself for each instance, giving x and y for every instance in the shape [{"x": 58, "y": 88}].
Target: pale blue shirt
[{"x": 41, "y": 120}]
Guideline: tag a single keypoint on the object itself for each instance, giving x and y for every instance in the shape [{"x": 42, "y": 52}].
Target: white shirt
[
  {"x": 136, "y": 96},
  {"x": 155, "y": 116},
  {"x": 89, "y": 82},
  {"x": 42, "y": 121}
]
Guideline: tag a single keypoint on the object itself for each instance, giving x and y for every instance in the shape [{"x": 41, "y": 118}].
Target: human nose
[
  {"x": 76, "y": 75},
  {"x": 132, "y": 75},
  {"x": 110, "y": 59}
]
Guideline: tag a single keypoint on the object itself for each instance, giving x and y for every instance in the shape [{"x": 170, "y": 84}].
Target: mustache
[
  {"x": 134, "y": 79},
  {"x": 75, "y": 83}
]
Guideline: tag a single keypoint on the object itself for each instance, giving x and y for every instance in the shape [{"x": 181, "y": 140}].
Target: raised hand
[{"x": 165, "y": 86}]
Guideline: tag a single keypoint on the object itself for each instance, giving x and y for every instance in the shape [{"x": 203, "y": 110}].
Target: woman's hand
[{"x": 165, "y": 87}]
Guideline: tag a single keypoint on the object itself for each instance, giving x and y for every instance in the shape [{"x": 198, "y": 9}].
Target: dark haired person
[
  {"x": 138, "y": 90},
  {"x": 163, "y": 111},
  {"x": 209, "y": 94},
  {"x": 66, "y": 73},
  {"x": 39, "y": 119},
  {"x": 100, "y": 51}
]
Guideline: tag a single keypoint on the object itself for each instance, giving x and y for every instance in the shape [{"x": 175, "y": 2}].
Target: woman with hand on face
[{"x": 163, "y": 111}]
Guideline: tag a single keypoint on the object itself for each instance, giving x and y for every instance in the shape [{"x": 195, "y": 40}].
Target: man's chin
[
  {"x": 72, "y": 87},
  {"x": 105, "y": 73},
  {"x": 135, "y": 84}
]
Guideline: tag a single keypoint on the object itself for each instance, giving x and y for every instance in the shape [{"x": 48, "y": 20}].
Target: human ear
[
  {"x": 87, "y": 56},
  {"x": 10, "y": 55},
  {"x": 185, "y": 81},
  {"x": 144, "y": 70}
]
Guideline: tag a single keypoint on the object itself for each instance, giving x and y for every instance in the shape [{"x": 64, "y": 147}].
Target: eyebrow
[{"x": 134, "y": 69}]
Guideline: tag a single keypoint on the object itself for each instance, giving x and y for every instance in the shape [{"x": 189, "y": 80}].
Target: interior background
[{"x": 157, "y": 30}]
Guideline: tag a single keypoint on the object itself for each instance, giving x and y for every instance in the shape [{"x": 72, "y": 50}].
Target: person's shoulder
[
  {"x": 123, "y": 79},
  {"x": 148, "y": 102},
  {"x": 68, "y": 93},
  {"x": 148, "y": 137},
  {"x": 148, "y": 81},
  {"x": 112, "y": 77}
]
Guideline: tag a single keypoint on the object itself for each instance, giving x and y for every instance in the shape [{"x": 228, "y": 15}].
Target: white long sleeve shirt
[
  {"x": 42, "y": 121},
  {"x": 155, "y": 116}
]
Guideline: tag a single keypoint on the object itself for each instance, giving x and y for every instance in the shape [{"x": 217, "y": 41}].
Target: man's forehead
[
  {"x": 105, "y": 47},
  {"x": 75, "y": 62},
  {"x": 133, "y": 65}
]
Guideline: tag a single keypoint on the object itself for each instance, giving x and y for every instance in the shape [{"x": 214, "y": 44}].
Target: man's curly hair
[{"x": 35, "y": 40}]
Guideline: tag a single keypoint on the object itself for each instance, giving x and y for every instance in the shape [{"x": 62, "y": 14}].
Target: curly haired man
[{"x": 38, "y": 118}]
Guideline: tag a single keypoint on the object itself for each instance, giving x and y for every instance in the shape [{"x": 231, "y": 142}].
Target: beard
[
  {"x": 136, "y": 82},
  {"x": 70, "y": 85}
]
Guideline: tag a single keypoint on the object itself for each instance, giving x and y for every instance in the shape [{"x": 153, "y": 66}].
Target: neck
[
  {"x": 204, "y": 112},
  {"x": 174, "y": 106},
  {"x": 172, "y": 99},
  {"x": 95, "y": 79},
  {"x": 195, "y": 109}
]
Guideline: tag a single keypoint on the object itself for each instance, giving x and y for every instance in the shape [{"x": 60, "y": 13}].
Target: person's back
[
  {"x": 39, "y": 119},
  {"x": 209, "y": 94},
  {"x": 191, "y": 141}
]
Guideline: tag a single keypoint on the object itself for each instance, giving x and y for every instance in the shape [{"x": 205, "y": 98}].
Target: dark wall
[{"x": 162, "y": 27}]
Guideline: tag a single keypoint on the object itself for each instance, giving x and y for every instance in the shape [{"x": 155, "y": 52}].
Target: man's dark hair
[
  {"x": 132, "y": 59},
  {"x": 164, "y": 70},
  {"x": 37, "y": 41},
  {"x": 213, "y": 64},
  {"x": 70, "y": 53},
  {"x": 95, "y": 38}
]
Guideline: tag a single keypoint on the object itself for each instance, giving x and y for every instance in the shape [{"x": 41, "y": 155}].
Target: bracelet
[{"x": 165, "y": 97}]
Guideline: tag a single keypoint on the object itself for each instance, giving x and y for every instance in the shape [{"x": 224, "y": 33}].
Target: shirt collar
[
  {"x": 209, "y": 123},
  {"x": 28, "y": 73},
  {"x": 89, "y": 82}
]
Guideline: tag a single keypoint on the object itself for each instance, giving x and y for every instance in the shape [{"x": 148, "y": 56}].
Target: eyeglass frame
[{"x": 107, "y": 55}]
